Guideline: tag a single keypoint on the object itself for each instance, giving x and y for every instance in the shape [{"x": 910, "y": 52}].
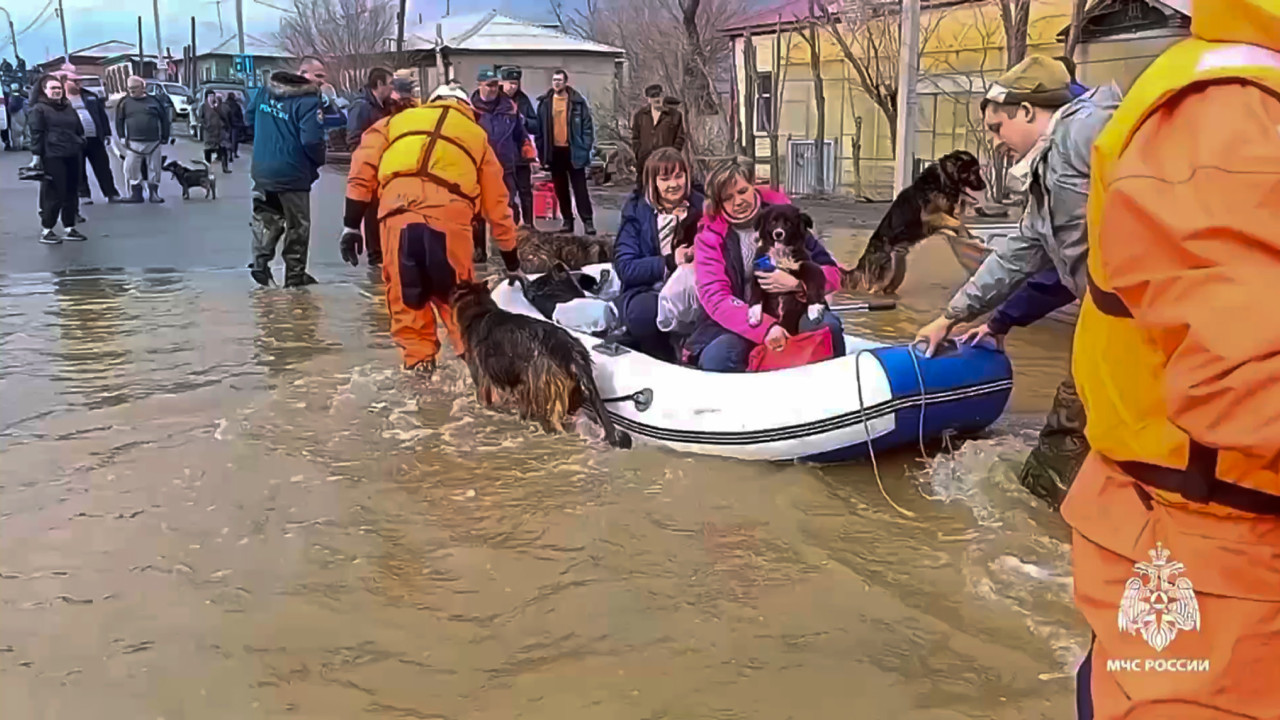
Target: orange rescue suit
[
  {"x": 432, "y": 171},
  {"x": 1176, "y": 512}
]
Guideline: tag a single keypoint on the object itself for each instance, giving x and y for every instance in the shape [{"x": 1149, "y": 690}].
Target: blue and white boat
[{"x": 876, "y": 398}]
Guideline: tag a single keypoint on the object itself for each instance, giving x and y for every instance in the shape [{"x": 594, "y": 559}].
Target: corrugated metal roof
[
  {"x": 491, "y": 31},
  {"x": 109, "y": 48}
]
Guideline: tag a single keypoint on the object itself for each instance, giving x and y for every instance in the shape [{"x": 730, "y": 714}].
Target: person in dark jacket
[
  {"x": 511, "y": 78},
  {"x": 235, "y": 123},
  {"x": 217, "y": 128},
  {"x": 289, "y": 146},
  {"x": 566, "y": 137},
  {"x": 370, "y": 107},
  {"x": 501, "y": 120},
  {"x": 659, "y": 221},
  {"x": 97, "y": 135},
  {"x": 57, "y": 141},
  {"x": 374, "y": 104},
  {"x": 142, "y": 124},
  {"x": 654, "y": 126}
]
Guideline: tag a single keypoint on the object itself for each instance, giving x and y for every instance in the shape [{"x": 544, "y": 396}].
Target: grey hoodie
[{"x": 1052, "y": 230}]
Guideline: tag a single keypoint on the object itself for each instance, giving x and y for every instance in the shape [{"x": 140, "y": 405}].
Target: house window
[{"x": 764, "y": 102}]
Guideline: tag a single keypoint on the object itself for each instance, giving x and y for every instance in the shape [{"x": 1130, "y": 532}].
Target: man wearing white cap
[{"x": 431, "y": 170}]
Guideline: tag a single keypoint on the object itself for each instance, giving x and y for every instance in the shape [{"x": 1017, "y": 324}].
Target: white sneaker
[{"x": 50, "y": 237}]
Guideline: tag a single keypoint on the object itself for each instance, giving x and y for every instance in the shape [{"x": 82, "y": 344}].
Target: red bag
[{"x": 802, "y": 349}]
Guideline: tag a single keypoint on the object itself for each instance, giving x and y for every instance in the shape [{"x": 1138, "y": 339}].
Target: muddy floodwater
[{"x": 224, "y": 502}]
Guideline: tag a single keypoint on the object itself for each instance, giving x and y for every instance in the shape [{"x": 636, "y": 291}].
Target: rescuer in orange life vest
[
  {"x": 432, "y": 170},
  {"x": 1176, "y": 512}
]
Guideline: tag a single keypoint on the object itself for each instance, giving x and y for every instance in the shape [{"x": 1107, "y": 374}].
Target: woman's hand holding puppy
[
  {"x": 778, "y": 282},
  {"x": 776, "y": 339}
]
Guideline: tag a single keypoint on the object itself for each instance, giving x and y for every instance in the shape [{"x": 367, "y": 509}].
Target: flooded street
[{"x": 225, "y": 502}]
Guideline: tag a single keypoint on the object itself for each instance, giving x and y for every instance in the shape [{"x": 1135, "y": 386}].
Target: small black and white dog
[
  {"x": 193, "y": 177},
  {"x": 783, "y": 230}
]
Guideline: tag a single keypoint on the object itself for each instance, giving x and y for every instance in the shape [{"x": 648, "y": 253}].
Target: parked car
[{"x": 180, "y": 96}]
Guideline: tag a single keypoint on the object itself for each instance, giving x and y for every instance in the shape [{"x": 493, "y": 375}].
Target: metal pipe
[
  {"x": 162, "y": 67},
  {"x": 62, "y": 18}
]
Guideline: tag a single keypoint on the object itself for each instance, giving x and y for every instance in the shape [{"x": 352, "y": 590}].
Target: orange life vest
[
  {"x": 1119, "y": 367},
  {"x": 440, "y": 142}
]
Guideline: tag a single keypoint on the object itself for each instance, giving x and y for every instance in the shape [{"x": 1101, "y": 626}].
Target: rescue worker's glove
[{"x": 351, "y": 244}]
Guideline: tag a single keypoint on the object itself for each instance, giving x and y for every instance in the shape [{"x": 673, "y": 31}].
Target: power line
[{"x": 31, "y": 24}]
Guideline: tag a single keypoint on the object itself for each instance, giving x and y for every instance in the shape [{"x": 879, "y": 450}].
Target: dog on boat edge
[
  {"x": 538, "y": 364},
  {"x": 929, "y": 205},
  {"x": 192, "y": 178},
  {"x": 539, "y": 250},
  {"x": 782, "y": 230}
]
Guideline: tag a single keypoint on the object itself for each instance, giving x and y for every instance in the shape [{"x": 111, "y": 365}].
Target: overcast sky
[{"x": 94, "y": 21}]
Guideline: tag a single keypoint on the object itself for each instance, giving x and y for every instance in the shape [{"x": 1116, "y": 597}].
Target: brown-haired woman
[
  {"x": 655, "y": 236},
  {"x": 723, "y": 255}
]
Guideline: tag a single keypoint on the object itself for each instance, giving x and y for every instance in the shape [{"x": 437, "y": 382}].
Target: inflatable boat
[{"x": 877, "y": 397}]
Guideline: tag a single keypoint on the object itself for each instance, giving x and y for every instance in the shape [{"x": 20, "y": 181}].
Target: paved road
[{"x": 194, "y": 234}]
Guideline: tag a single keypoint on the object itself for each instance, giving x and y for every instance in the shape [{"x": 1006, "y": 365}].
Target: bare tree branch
[{"x": 348, "y": 34}]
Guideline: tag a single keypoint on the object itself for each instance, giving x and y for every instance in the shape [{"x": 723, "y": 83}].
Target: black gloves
[{"x": 351, "y": 244}]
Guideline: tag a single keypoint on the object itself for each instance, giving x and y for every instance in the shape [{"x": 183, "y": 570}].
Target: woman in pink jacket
[{"x": 722, "y": 257}]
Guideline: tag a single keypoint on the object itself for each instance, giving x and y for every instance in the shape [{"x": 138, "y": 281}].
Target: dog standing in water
[
  {"x": 539, "y": 364},
  {"x": 929, "y": 205}
]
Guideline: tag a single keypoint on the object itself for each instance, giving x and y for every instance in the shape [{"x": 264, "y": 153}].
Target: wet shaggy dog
[
  {"x": 782, "y": 230},
  {"x": 538, "y": 364},
  {"x": 193, "y": 177},
  {"x": 539, "y": 251},
  {"x": 930, "y": 204}
]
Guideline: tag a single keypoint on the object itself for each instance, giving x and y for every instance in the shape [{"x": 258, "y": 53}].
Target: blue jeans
[{"x": 730, "y": 352}]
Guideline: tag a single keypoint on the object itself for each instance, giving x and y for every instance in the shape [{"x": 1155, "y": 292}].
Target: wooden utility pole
[
  {"x": 400, "y": 28},
  {"x": 13, "y": 36},
  {"x": 193, "y": 78},
  {"x": 62, "y": 17},
  {"x": 908, "y": 70},
  {"x": 240, "y": 23},
  {"x": 142, "y": 58},
  {"x": 162, "y": 67}
]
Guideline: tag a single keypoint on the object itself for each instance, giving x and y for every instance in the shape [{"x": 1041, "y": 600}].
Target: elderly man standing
[
  {"x": 288, "y": 145},
  {"x": 142, "y": 124},
  {"x": 654, "y": 126}
]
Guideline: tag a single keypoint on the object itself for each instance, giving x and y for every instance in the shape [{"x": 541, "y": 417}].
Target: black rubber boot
[
  {"x": 300, "y": 281},
  {"x": 135, "y": 196},
  {"x": 567, "y": 228},
  {"x": 226, "y": 168},
  {"x": 154, "y": 193},
  {"x": 589, "y": 226},
  {"x": 262, "y": 276}
]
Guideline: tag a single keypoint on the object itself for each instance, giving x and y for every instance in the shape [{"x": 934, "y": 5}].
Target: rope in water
[{"x": 866, "y": 428}]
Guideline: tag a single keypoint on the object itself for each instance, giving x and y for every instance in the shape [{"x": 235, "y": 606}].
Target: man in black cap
[
  {"x": 657, "y": 125},
  {"x": 511, "y": 77}
]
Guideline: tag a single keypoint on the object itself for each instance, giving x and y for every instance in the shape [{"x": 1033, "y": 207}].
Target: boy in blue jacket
[{"x": 288, "y": 141}]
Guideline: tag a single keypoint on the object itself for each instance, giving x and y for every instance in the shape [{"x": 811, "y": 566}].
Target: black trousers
[
  {"x": 563, "y": 173},
  {"x": 524, "y": 188},
  {"x": 95, "y": 154},
  {"x": 58, "y": 194},
  {"x": 372, "y": 234},
  {"x": 4, "y": 134},
  {"x": 479, "y": 227}
]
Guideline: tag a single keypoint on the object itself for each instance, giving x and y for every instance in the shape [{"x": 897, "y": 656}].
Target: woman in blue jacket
[{"x": 659, "y": 222}]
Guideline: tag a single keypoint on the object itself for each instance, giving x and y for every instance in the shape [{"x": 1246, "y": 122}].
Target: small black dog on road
[
  {"x": 928, "y": 205},
  {"x": 782, "y": 230},
  {"x": 193, "y": 177},
  {"x": 538, "y": 364}
]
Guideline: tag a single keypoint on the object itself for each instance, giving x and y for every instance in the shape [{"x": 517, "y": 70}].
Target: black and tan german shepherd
[
  {"x": 929, "y": 205},
  {"x": 537, "y": 364}
]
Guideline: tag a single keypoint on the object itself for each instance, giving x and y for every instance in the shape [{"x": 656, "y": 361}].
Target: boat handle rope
[
  {"x": 866, "y": 423},
  {"x": 642, "y": 399}
]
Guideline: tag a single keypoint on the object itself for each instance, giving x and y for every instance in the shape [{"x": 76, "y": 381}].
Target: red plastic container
[{"x": 545, "y": 205}]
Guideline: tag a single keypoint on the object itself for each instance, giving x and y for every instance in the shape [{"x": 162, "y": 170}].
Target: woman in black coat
[{"x": 57, "y": 140}]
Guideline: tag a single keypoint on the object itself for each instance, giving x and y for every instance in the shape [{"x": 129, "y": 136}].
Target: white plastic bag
[
  {"x": 588, "y": 315},
  {"x": 678, "y": 307},
  {"x": 610, "y": 286}
]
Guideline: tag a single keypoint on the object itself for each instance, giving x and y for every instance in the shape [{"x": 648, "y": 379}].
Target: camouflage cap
[{"x": 1038, "y": 80}]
